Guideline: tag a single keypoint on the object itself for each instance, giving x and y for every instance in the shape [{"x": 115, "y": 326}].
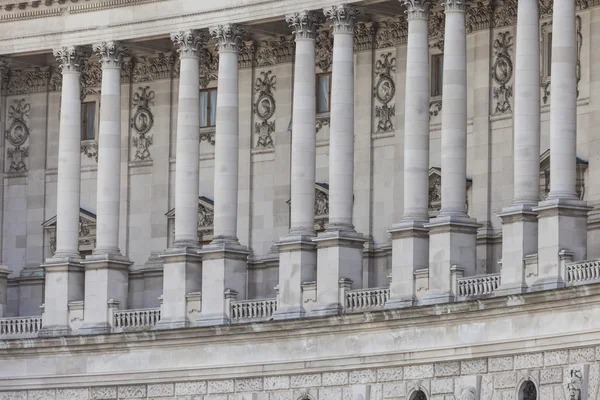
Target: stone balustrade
[
  {"x": 252, "y": 310},
  {"x": 478, "y": 285},
  {"x": 20, "y": 327},
  {"x": 582, "y": 272},
  {"x": 366, "y": 299},
  {"x": 138, "y": 319}
]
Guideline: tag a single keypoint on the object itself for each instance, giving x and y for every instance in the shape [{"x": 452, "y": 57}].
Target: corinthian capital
[
  {"x": 70, "y": 59},
  {"x": 305, "y": 24},
  {"x": 455, "y": 5},
  {"x": 343, "y": 17},
  {"x": 417, "y": 9},
  {"x": 229, "y": 36},
  {"x": 111, "y": 54},
  {"x": 188, "y": 43}
]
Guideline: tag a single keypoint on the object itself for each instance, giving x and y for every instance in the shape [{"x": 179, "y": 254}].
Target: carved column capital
[
  {"x": 455, "y": 5},
  {"x": 70, "y": 59},
  {"x": 417, "y": 9},
  {"x": 111, "y": 54},
  {"x": 343, "y": 17},
  {"x": 229, "y": 36},
  {"x": 305, "y": 24},
  {"x": 188, "y": 43}
]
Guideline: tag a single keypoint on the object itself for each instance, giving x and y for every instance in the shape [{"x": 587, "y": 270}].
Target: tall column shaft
[
  {"x": 454, "y": 112},
  {"x": 109, "y": 150},
  {"x": 303, "y": 138},
  {"x": 341, "y": 134},
  {"x": 188, "y": 125},
  {"x": 227, "y": 145},
  {"x": 563, "y": 105}
]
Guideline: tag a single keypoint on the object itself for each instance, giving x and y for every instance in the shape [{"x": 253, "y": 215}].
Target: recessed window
[
  {"x": 88, "y": 120},
  {"x": 323, "y": 93},
  {"x": 208, "y": 107},
  {"x": 437, "y": 74},
  {"x": 549, "y": 55}
]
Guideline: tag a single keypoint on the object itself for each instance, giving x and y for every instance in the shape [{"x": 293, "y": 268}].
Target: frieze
[
  {"x": 142, "y": 122},
  {"x": 391, "y": 33},
  {"x": 384, "y": 92},
  {"x": 275, "y": 52},
  {"x": 324, "y": 50},
  {"x": 90, "y": 149},
  {"x": 29, "y": 80},
  {"x": 343, "y": 17},
  {"x": 502, "y": 72},
  {"x": 505, "y": 13},
  {"x": 152, "y": 68},
  {"x": 364, "y": 36},
  {"x": 437, "y": 21},
  {"x": 264, "y": 109},
  {"x": 91, "y": 75},
  {"x": 17, "y": 136},
  {"x": 322, "y": 120},
  {"x": 208, "y": 70},
  {"x": 246, "y": 53},
  {"x": 479, "y": 16}
]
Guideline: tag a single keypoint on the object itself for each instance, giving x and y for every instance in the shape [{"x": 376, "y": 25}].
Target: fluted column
[
  {"x": 297, "y": 252},
  {"x": 64, "y": 277},
  {"x": 519, "y": 221},
  {"x": 183, "y": 267},
  {"x": 410, "y": 243},
  {"x": 562, "y": 216},
  {"x": 452, "y": 235}
]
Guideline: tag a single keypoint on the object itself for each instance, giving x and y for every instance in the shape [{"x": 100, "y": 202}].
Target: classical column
[
  {"x": 106, "y": 270},
  {"x": 519, "y": 221},
  {"x": 225, "y": 261},
  {"x": 452, "y": 236},
  {"x": 410, "y": 240},
  {"x": 563, "y": 216},
  {"x": 64, "y": 278},
  {"x": 297, "y": 252},
  {"x": 183, "y": 267},
  {"x": 339, "y": 249}
]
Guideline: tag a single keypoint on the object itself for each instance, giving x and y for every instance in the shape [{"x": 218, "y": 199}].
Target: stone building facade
[{"x": 262, "y": 199}]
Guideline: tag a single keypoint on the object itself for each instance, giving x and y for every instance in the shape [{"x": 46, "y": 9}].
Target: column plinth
[{"x": 297, "y": 253}]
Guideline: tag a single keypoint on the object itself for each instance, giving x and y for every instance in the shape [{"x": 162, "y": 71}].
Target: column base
[
  {"x": 297, "y": 264},
  {"x": 182, "y": 274}
]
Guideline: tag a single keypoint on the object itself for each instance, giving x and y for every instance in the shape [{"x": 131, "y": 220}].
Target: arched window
[
  {"x": 528, "y": 391},
  {"x": 418, "y": 395}
]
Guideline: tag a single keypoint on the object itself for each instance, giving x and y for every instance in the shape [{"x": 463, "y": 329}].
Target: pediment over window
[
  {"x": 582, "y": 166},
  {"x": 435, "y": 191},
  {"x": 87, "y": 232},
  {"x": 206, "y": 216}
]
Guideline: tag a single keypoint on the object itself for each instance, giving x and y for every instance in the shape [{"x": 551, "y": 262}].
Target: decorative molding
[
  {"x": 455, "y": 5},
  {"x": 435, "y": 107},
  {"x": 208, "y": 69},
  {"x": 246, "y": 54},
  {"x": 391, "y": 33},
  {"x": 305, "y": 24},
  {"x": 364, "y": 36},
  {"x": 17, "y": 136},
  {"x": 89, "y": 148},
  {"x": 505, "y": 13},
  {"x": 29, "y": 80},
  {"x": 127, "y": 70},
  {"x": 206, "y": 217},
  {"x": 417, "y": 9},
  {"x": 322, "y": 120},
  {"x": 324, "y": 50},
  {"x": 208, "y": 135},
  {"x": 384, "y": 92},
  {"x": 274, "y": 52},
  {"x": 70, "y": 59},
  {"x": 87, "y": 231},
  {"x": 110, "y": 53},
  {"x": 502, "y": 72},
  {"x": 91, "y": 76},
  {"x": 321, "y": 209},
  {"x": 479, "y": 16},
  {"x": 343, "y": 17},
  {"x": 264, "y": 108},
  {"x": 142, "y": 122},
  {"x": 228, "y": 36},
  {"x": 188, "y": 43},
  {"x": 437, "y": 22}
]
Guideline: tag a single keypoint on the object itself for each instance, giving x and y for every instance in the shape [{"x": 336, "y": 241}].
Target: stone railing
[
  {"x": 366, "y": 299},
  {"x": 582, "y": 272},
  {"x": 252, "y": 310},
  {"x": 474, "y": 286},
  {"x": 20, "y": 327},
  {"x": 139, "y": 319}
]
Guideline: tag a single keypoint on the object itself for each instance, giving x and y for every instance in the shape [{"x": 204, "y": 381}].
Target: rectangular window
[
  {"x": 437, "y": 75},
  {"x": 549, "y": 58},
  {"x": 208, "y": 107},
  {"x": 88, "y": 120},
  {"x": 323, "y": 93}
]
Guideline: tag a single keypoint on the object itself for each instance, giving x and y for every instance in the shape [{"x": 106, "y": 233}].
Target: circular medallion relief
[
  {"x": 18, "y": 133},
  {"x": 385, "y": 89},
  {"x": 265, "y": 106},
  {"x": 143, "y": 120}
]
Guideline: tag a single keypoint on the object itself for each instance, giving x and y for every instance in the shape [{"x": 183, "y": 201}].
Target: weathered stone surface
[
  {"x": 277, "y": 382},
  {"x": 390, "y": 374},
  {"x": 551, "y": 375},
  {"x": 418, "y": 371},
  {"x": 447, "y": 368},
  {"x": 248, "y": 385},
  {"x": 439, "y": 386},
  {"x": 132, "y": 392},
  {"x": 496, "y": 364},
  {"x": 528, "y": 361},
  {"x": 187, "y": 388},
  {"x": 103, "y": 393},
  {"x": 505, "y": 380},
  {"x": 472, "y": 367},
  {"x": 556, "y": 357},
  {"x": 223, "y": 386},
  {"x": 363, "y": 376},
  {"x": 335, "y": 378},
  {"x": 585, "y": 354}
]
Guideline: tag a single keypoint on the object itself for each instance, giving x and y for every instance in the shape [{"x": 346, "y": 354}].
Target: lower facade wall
[{"x": 497, "y": 378}]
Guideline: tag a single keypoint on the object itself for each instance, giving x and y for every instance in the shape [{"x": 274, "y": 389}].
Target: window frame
[
  {"x": 318, "y": 75},
  {"x": 208, "y": 107},
  {"x": 436, "y": 86},
  {"x": 89, "y": 100}
]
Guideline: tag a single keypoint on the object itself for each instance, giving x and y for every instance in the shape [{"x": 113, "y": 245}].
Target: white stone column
[
  {"x": 183, "y": 268},
  {"x": 452, "y": 239},
  {"x": 410, "y": 240},
  {"x": 107, "y": 271},
  {"x": 4, "y": 272},
  {"x": 64, "y": 279},
  {"x": 562, "y": 217},
  {"x": 225, "y": 261},
  {"x": 519, "y": 221},
  {"x": 297, "y": 252},
  {"x": 339, "y": 249}
]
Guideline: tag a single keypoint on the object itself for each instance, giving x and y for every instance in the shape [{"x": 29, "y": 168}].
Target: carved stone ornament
[
  {"x": 188, "y": 43},
  {"x": 70, "y": 59},
  {"x": 209, "y": 136},
  {"x": 322, "y": 121},
  {"x": 264, "y": 108},
  {"x": 479, "y": 16},
  {"x": 152, "y": 68},
  {"x": 384, "y": 92},
  {"x": 17, "y": 136},
  {"x": 455, "y": 5},
  {"x": 324, "y": 50},
  {"x": 468, "y": 393},
  {"x": 437, "y": 22},
  {"x": 435, "y": 190},
  {"x": 417, "y": 9},
  {"x": 206, "y": 217},
  {"x": 142, "y": 122},
  {"x": 364, "y": 36},
  {"x": 321, "y": 206},
  {"x": 391, "y": 33},
  {"x": 343, "y": 17},
  {"x": 228, "y": 36},
  {"x": 90, "y": 149},
  {"x": 274, "y": 52},
  {"x": 435, "y": 107},
  {"x": 29, "y": 80},
  {"x": 505, "y": 13},
  {"x": 111, "y": 54},
  {"x": 502, "y": 72},
  {"x": 305, "y": 24},
  {"x": 209, "y": 66},
  {"x": 246, "y": 53},
  {"x": 575, "y": 384},
  {"x": 87, "y": 231},
  {"x": 91, "y": 74}
]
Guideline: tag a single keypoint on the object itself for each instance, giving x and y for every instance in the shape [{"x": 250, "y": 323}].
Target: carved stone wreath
[
  {"x": 384, "y": 92},
  {"x": 324, "y": 50},
  {"x": 142, "y": 122},
  {"x": 264, "y": 108},
  {"x": 17, "y": 135},
  {"x": 502, "y": 72}
]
